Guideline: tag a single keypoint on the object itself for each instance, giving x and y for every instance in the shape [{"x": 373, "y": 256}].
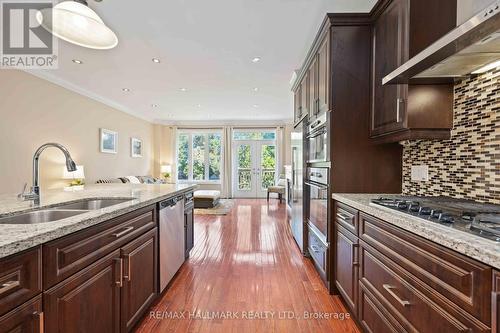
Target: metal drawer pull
[
  {"x": 389, "y": 288},
  {"x": 119, "y": 283},
  {"x": 125, "y": 231},
  {"x": 344, "y": 217},
  {"x": 127, "y": 261},
  {"x": 39, "y": 325},
  {"x": 8, "y": 285}
]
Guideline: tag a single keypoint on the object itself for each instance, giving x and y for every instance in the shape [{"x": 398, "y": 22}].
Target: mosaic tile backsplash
[{"x": 468, "y": 165}]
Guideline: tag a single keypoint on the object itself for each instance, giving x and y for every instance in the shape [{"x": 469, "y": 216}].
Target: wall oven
[
  {"x": 318, "y": 140},
  {"x": 317, "y": 216}
]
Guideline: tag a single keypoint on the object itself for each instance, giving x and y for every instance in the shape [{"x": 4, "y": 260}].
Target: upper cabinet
[
  {"x": 401, "y": 29},
  {"x": 314, "y": 87}
]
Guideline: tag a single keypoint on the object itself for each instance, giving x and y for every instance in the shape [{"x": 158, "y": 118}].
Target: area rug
[{"x": 223, "y": 208}]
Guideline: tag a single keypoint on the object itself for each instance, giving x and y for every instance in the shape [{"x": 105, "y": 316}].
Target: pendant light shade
[{"x": 76, "y": 23}]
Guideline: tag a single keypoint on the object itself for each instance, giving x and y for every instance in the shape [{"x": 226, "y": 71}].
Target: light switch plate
[{"x": 420, "y": 173}]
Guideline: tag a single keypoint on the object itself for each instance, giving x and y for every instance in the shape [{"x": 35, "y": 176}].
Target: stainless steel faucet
[{"x": 34, "y": 194}]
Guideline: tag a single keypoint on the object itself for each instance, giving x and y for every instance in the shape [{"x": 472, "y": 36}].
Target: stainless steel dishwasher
[{"x": 171, "y": 232}]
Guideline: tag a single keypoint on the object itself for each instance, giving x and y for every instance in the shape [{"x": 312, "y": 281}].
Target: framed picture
[
  {"x": 109, "y": 141},
  {"x": 136, "y": 147}
]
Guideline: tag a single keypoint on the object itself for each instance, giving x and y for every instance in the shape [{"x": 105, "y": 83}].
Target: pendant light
[{"x": 75, "y": 22}]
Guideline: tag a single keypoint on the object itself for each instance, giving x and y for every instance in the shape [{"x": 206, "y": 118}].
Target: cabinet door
[
  {"x": 323, "y": 75},
  {"x": 26, "y": 318},
  {"x": 346, "y": 266},
  {"x": 139, "y": 278},
  {"x": 495, "y": 303},
  {"x": 390, "y": 45},
  {"x": 313, "y": 88},
  {"x": 304, "y": 88},
  {"x": 189, "y": 223},
  {"x": 88, "y": 301},
  {"x": 298, "y": 103}
]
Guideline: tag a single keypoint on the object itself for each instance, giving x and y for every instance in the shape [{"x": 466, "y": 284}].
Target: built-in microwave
[{"x": 318, "y": 139}]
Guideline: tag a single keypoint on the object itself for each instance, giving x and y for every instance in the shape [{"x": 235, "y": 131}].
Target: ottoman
[{"x": 206, "y": 199}]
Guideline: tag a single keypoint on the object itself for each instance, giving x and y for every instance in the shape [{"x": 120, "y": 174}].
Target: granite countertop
[
  {"x": 481, "y": 249},
  {"x": 18, "y": 237}
]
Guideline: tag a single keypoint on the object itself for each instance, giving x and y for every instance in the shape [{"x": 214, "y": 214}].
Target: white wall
[{"x": 34, "y": 111}]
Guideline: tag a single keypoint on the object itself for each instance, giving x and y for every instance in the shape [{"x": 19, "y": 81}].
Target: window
[
  {"x": 199, "y": 155},
  {"x": 251, "y": 135}
]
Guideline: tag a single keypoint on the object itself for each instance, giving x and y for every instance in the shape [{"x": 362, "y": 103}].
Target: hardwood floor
[{"x": 241, "y": 263}]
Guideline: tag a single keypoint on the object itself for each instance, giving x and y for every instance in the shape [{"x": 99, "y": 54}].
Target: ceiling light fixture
[
  {"x": 183, "y": 89},
  {"x": 75, "y": 22},
  {"x": 255, "y": 89},
  {"x": 256, "y": 59},
  {"x": 126, "y": 89},
  {"x": 156, "y": 60},
  {"x": 487, "y": 67},
  {"x": 76, "y": 61},
  {"x": 154, "y": 105},
  {"x": 256, "y": 105}
]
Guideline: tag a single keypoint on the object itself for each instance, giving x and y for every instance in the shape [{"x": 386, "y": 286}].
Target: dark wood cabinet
[
  {"x": 403, "y": 28},
  {"x": 346, "y": 266},
  {"x": 313, "y": 88},
  {"x": 495, "y": 303},
  {"x": 404, "y": 283},
  {"x": 323, "y": 59},
  {"x": 140, "y": 284},
  {"x": 88, "y": 301},
  {"x": 189, "y": 224},
  {"x": 27, "y": 318},
  {"x": 389, "y": 43},
  {"x": 20, "y": 278}
]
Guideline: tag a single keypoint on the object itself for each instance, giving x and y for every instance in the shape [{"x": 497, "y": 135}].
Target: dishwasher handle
[{"x": 170, "y": 202}]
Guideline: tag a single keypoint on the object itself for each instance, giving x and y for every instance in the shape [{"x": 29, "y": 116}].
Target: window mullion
[
  {"x": 206, "y": 158},
  {"x": 190, "y": 158}
]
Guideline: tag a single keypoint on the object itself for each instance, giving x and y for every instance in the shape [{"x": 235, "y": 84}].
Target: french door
[{"x": 254, "y": 167}]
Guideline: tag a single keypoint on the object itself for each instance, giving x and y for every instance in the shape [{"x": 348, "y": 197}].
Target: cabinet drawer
[
  {"x": 414, "y": 310},
  {"x": 66, "y": 256},
  {"x": 462, "y": 281},
  {"x": 346, "y": 266},
  {"x": 318, "y": 252},
  {"x": 27, "y": 318},
  {"x": 373, "y": 317},
  {"x": 347, "y": 217},
  {"x": 20, "y": 278}
]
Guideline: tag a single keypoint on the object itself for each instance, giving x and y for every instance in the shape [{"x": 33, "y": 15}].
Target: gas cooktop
[{"x": 469, "y": 216}]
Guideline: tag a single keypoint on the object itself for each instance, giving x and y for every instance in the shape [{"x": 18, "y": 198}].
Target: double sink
[{"x": 62, "y": 211}]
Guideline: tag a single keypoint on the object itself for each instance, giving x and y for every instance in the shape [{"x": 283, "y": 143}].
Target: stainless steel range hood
[{"x": 463, "y": 50}]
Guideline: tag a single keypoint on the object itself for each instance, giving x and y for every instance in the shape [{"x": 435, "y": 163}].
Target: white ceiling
[{"x": 205, "y": 47}]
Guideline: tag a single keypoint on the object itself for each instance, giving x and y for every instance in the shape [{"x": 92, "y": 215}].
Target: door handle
[
  {"x": 127, "y": 268},
  {"x": 344, "y": 217},
  {"x": 121, "y": 233},
  {"x": 39, "y": 321},
  {"x": 119, "y": 262},
  {"x": 398, "y": 103},
  {"x": 389, "y": 288},
  {"x": 355, "y": 248}
]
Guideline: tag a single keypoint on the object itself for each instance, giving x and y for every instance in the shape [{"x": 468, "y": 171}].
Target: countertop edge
[
  {"x": 471, "y": 246},
  {"x": 29, "y": 242}
]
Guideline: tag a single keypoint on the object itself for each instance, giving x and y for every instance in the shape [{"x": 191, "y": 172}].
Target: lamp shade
[
  {"x": 78, "y": 174},
  {"x": 167, "y": 168},
  {"x": 76, "y": 23}
]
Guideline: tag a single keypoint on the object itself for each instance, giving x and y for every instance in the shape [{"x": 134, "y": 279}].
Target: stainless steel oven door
[{"x": 318, "y": 208}]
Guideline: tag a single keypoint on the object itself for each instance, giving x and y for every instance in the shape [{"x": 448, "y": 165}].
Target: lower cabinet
[
  {"x": 26, "y": 318},
  {"x": 395, "y": 281},
  {"x": 88, "y": 301},
  {"x": 110, "y": 295},
  {"x": 140, "y": 285},
  {"x": 346, "y": 266}
]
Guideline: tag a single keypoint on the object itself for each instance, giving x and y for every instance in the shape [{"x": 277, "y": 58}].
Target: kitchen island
[{"x": 94, "y": 267}]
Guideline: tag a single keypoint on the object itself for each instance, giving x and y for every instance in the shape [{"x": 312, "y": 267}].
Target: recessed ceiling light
[
  {"x": 255, "y": 89},
  {"x": 126, "y": 89},
  {"x": 154, "y": 105},
  {"x": 256, "y": 59},
  {"x": 183, "y": 89},
  {"x": 199, "y": 105},
  {"x": 76, "y": 61},
  {"x": 156, "y": 60},
  {"x": 256, "y": 105}
]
